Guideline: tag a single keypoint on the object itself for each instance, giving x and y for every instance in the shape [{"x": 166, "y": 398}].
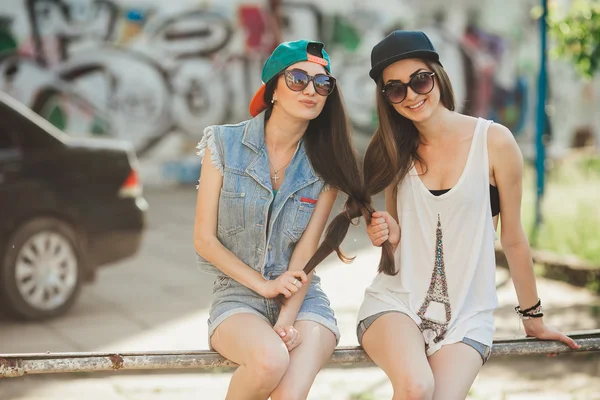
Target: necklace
[{"x": 275, "y": 177}]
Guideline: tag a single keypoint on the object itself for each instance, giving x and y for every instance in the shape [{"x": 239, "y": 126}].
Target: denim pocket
[
  {"x": 231, "y": 212},
  {"x": 302, "y": 211},
  {"x": 302, "y": 217}
]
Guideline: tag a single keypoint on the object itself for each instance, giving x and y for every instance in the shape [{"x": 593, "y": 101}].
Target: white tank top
[{"x": 446, "y": 260}]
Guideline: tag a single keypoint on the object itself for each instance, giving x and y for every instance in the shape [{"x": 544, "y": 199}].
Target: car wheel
[{"x": 42, "y": 269}]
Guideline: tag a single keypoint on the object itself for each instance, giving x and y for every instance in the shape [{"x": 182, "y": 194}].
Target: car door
[{"x": 10, "y": 178}]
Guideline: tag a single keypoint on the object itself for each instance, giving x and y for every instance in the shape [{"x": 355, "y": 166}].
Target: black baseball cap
[{"x": 400, "y": 45}]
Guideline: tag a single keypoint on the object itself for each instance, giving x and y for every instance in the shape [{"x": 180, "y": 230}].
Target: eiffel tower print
[{"x": 437, "y": 293}]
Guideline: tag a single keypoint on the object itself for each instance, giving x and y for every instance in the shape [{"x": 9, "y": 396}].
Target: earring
[{"x": 273, "y": 101}]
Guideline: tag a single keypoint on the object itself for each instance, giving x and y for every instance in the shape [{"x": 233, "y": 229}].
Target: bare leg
[
  {"x": 306, "y": 361},
  {"x": 248, "y": 340},
  {"x": 452, "y": 383},
  {"x": 396, "y": 345}
]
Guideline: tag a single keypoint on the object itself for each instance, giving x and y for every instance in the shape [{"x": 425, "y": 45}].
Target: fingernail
[{"x": 282, "y": 333}]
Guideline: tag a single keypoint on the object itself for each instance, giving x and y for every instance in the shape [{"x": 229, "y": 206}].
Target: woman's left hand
[
  {"x": 535, "y": 327},
  {"x": 289, "y": 335}
]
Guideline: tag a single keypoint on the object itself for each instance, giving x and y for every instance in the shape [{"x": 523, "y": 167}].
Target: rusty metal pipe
[{"x": 14, "y": 365}]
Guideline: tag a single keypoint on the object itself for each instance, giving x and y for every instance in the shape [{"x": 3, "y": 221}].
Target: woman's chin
[{"x": 306, "y": 114}]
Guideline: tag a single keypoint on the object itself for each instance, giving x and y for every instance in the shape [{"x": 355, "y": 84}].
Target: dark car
[{"x": 67, "y": 206}]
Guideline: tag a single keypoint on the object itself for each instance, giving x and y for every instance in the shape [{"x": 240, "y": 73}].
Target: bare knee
[
  {"x": 287, "y": 390},
  {"x": 414, "y": 388},
  {"x": 287, "y": 394},
  {"x": 268, "y": 365}
]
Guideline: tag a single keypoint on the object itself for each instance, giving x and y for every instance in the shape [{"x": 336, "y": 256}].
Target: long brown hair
[
  {"x": 388, "y": 159},
  {"x": 393, "y": 147},
  {"x": 396, "y": 138},
  {"x": 329, "y": 149}
]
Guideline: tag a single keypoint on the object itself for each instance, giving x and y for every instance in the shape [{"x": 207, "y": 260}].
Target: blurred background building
[{"x": 157, "y": 72}]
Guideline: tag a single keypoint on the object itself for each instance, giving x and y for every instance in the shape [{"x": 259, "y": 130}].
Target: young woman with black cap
[{"x": 427, "y": 319}]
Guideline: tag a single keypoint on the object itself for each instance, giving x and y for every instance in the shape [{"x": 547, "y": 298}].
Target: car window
[{"x": 27, "y": 128}]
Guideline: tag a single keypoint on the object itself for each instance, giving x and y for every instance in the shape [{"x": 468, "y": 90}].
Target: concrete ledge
[
  {"x": 569, "y": 269},
  {"x": 14, "y": 365}
]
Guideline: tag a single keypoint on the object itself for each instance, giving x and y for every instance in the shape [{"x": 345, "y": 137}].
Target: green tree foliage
[{"x": 576, "y": 35}]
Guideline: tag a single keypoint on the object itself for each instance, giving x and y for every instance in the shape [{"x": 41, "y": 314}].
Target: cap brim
[
  {"x": 380, "y": 66},
  {"x": 257, "y": 104}
]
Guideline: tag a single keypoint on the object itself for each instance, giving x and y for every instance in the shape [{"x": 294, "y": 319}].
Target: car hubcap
[{"x": 46, "y": 270}]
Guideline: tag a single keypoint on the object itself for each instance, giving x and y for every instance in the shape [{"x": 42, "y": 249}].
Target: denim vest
[{"x": 243, "y": 224}]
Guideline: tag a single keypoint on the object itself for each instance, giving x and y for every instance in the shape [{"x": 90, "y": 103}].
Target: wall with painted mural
[{"x": 156, "y": 73}]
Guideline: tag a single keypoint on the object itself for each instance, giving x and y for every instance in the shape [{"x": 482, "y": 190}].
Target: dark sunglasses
[
  {"x": 421, "y": 83},
  {"x": 297, "y": 80}
]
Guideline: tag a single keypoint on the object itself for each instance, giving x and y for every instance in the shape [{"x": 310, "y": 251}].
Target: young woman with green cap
[
  {"x": 427, "y": 318},
  {"x": 266, "y": 190}
]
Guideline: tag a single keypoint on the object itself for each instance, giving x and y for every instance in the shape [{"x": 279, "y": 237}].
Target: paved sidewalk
[{"x": 159, "y": 301}]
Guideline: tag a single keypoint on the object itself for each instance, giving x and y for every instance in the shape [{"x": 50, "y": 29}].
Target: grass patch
[{"x": 570, "y": 208}]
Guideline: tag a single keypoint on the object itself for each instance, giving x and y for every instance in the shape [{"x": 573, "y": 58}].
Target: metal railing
[{"x": 15, "y": 365}]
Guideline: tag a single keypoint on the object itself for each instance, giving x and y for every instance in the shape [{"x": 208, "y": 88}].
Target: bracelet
[
  {"x": 532, "y": 312},
  {"x": 539, "y": 303},
  {"x": 540, "y": 315}
]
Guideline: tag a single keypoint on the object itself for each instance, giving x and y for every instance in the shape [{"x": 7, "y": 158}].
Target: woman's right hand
[
  {"x": 286, "y": 284},
  {"x": 383, "y": 227}
]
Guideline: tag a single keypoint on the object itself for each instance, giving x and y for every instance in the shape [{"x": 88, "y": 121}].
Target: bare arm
[
  {"x": 507, "y": 164},
  {"x": 208, "y": 245},
  {"x": 305, "y": 249}
]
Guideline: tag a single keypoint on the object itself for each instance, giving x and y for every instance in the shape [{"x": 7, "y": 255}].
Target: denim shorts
[
  {"x": 231, "y": 297},
  {"x": 483, "y": 350}
]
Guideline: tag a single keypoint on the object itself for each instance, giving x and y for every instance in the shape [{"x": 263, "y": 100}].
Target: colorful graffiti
[
  {"x": 94, "y": 67},
  {"x": 89, "y": 75}
]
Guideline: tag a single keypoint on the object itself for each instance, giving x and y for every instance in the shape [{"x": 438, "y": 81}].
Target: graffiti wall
[{"x": 156, "y": 73}]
